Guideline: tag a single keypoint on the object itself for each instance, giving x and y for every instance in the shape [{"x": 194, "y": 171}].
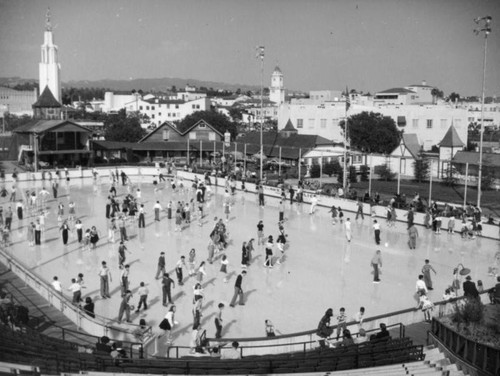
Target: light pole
[
  {"x": 484, "y": 27},
  {"x": 260, "y": 54}
]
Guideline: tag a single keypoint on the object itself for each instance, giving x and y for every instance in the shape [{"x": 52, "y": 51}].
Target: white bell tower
[
  {"x": 277, "y": 90},
  {"x": 49, "y": 67}
]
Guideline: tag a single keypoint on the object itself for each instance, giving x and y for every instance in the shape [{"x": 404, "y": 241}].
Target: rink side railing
[
  {"x": 308, "y": 340},
  {"x": 250, "y": 346},
  {"x": 347, "y": 205},
  {"x": 97, "y": 327}
]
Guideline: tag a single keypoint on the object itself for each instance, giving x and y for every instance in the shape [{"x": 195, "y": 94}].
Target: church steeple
[{"x": 49, "y": 67}]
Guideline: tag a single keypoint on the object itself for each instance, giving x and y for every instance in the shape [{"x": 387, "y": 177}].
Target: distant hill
[{"x": 146, "y": 84}]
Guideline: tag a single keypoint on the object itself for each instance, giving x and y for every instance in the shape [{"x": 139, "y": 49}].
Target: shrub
[
  {"x": 329, "y": 169},
  {"x": 470, "y": 312},
  {"x": 364, "y": 171},
  {"x": 386, "y": 173},
  {"x": 315, "y": 171},
  {"x": 353, "y": 176}
]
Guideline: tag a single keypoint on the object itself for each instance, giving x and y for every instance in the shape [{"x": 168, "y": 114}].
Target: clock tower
[{"x": 277, "y": 90}]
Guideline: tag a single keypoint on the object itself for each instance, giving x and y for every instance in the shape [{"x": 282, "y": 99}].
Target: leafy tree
[
  {"x": 219, "y": 121},
  {"x": 487, "y": 178},
  {"x": 353, "y": 176},
  {"x": 265, "y": 91},
  {"x": 372, "y": 132},
  {"x": 386, "y": 173},
  {"x": 238, "y": 91},
  {"x": 315, "y": 171},
  {"x": 123, "y": 127},
  {"x": 12, "y": 121},
  {"x": 454, "y": 97},
  {"x": 436, "y": 93},
  {"x": 421, "y": 168},
  {"x": 329, "y": 169},
  {"x": 235, "y": 113},
  {"x": 450, "y": 175},
  {"x": 364, "y": 172}
]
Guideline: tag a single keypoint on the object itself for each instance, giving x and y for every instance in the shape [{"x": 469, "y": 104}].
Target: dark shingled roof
[
  {"x": 451, "y": 139},
  {"x": 289, "y": 127},
  {"x": 472, "y": 158},
  {"x": 42, "y": 126},
  {"x": 46, "y": 99}
]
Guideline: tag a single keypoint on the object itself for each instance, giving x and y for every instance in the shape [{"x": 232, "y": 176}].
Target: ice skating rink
[{"x": 321, "y": 269}]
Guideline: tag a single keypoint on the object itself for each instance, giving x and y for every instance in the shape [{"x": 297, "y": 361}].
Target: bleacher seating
[{"x": 54, "y": 356}]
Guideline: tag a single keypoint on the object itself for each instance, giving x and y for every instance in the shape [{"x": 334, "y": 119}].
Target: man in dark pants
[
  {"x": 261, "y": 195},
  {"x": 161, "y": 265},
  {"x": 411, "y": 217},
  {"x": 167, "y": 283},
  {"x": 360, "y": 210},
  {"x": 178, "y": 269},
  {"x": 238, "y": 291},
  {"x": 218, "y": 321},
  {"x": 291, "y": 192}
]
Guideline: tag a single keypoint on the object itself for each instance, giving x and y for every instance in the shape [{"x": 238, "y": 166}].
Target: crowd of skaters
[{"x": 130, "y": 210}]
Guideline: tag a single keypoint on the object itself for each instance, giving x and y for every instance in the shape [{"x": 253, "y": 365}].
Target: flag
[{"x": 347, "y": 99}]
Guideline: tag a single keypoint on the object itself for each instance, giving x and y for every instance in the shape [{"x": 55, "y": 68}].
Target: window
[
  {"x": 429, "y": 123},
  {"x": 193, "y": 106},
  {"x": 192, "y": 135},
  {"x": 443, "y": 123},
  {"x": 323, "y": 123},
  {"x": 414, "y": 123},
  {"x": 300, "y": 123},
  {"x": 152, "y": 108},
  {"x": 197, "y": 106},
  {"x": 159, "y": 113},
  {"x": 211, "y": 136},
  {"x": 147, "y": 108},
  {"x": 166, "y": 134},
  {"x": 202, "y": 125},
  {"x": 140, "y": 108},
  {"x": 310, "y": 123},
  {"x": 176, "y": 106},
  {"x": 152, "y": 116}
]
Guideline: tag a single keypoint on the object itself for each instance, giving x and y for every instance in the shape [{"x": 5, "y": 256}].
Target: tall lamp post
[
  {"x": 260, "y": 54},
  {"x": 484, "y": 23}
]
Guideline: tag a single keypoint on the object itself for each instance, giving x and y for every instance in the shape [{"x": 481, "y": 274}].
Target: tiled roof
[
  {"x": 46, "y": 99},
  {"x": 398, "y": 90},
  {"x": 42, "y": 126},
  {"x": 471, "y": 157},
  {"x": 451, "y": 139},
  {"x": 410, "y": 140},
  {"x": 289, "y": 127}
]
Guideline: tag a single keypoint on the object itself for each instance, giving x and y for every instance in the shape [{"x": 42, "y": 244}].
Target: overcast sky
[{"x": 369, "y": 45}]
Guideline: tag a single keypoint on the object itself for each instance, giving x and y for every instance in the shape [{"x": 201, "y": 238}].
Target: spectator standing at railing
[
  {"x": 359, "y": 317},
  {"x": 56, "y": 284},
  {"x": 125, "y": 307},
  {"x": 232, "y": 353},
  {"x": 76, "y": 289}
]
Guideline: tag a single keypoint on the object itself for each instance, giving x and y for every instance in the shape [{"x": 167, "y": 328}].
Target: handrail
[
  {"x": 271, "y": 341},
  {"x": 78, "y": 316},
  {"x": 479, "y": 355}
]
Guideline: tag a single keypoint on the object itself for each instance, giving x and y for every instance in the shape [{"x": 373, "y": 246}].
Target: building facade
[{"x": 17, "y": 102}]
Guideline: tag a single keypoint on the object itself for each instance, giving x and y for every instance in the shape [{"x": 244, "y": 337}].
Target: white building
[
  {"x": 491, "y": 113},
  {"x": 277, "y": 89},
  {"x": 161, "y": 110},
  {"x": 429, "y": 122},
  {"x": 49, "y": 67}
]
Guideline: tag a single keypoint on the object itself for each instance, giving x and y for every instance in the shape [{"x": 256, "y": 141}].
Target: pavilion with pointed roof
[{"x": 450, "y": 144}]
